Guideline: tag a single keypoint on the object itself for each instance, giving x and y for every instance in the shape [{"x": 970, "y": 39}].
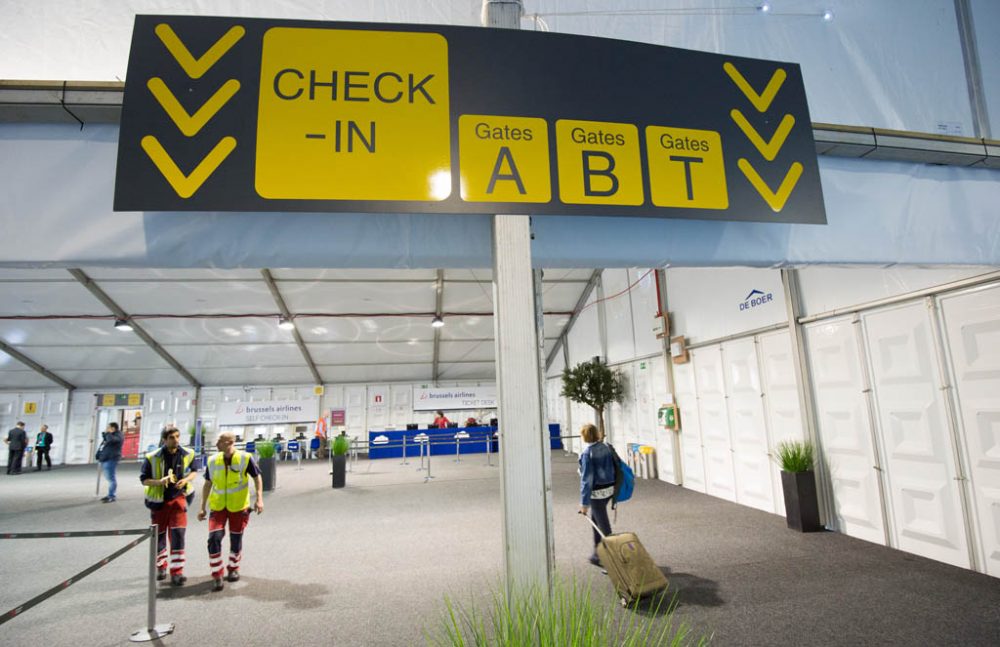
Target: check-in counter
[{"x": 442, "y": 441}]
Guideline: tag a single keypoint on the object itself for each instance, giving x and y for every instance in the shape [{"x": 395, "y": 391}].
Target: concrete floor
[{"x": 371, "y": 564}]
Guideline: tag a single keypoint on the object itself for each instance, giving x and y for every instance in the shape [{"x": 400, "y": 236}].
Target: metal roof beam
[
  {"x": 35, "y": 366},
  {"x": 582, "y": 301},
  {"x": 280, "y": 301},
  {"x": 140, "y": 332}
]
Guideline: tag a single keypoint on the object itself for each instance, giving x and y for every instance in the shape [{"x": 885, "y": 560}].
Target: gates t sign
[{"x": 227, "y": 114}]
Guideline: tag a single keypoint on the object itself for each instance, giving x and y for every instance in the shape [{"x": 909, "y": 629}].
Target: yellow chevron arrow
[
  {"x": 768, "y": 149},
  {"x": 196, "y": 67},
  {"x": 776, "y": 200},
  {"x": 191, "y": 124},
  {"x": 186, "y": 185},
  {"x": 760, "y": 101}
]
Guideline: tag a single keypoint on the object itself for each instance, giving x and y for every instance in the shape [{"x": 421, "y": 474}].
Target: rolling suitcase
[{"x": 633, "y": 572}]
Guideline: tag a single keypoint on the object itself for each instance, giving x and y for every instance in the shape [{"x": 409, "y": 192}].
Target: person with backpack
[{"x": 597, "y": 483}]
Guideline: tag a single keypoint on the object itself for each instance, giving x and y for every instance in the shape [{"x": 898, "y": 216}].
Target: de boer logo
[{"x": 755, "y": 299}]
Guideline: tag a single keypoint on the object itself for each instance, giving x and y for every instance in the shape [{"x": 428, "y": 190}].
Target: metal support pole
[
  {"x": 489, "y": 450},
  {"x": 404, "y": 461},
  {"x": 152, "y": 631},
  {"x": 428, "y": 476},
  {"x": 423, "y": 444},
  {"x": 458, "y": 450}
]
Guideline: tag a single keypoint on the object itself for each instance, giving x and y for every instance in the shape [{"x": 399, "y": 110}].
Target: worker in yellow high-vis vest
[
  {"x": 227, "y": 492},
  {"x": 168, "y": 475}
]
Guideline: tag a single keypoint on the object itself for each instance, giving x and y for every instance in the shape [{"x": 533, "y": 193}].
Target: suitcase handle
[{"x": 603, "y": 536}]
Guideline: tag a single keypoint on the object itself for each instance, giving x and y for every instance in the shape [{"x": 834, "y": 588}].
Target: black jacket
[
  {"x": 48, "y": 440},
  {"x": 18, "y": 439},
  {"x": 111, "y": 446}
]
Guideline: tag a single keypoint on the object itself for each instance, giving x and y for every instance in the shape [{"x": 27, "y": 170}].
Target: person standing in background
[
  {"x": 440, "y": 421},
  {"x": 108, "y": 455},
  {"x": 17, "y": 440},
  {"x": 43, "y": 443}
]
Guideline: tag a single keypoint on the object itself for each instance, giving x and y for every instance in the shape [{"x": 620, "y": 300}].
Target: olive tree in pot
[
  {"x": 798, "y": 481},
  {"x": 268, "y": 467},
  {"x": 340, "y": 447},
  {"x": 595, "y": 384}
]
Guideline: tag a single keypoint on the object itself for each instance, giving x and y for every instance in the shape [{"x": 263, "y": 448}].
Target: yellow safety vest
[
  {"x": 154, "y": 493},
  {"x": 230, "y": 485}
]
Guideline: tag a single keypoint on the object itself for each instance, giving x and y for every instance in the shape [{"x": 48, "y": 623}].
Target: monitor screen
[
  {"x": 452, "y": 424},
  {"x": 493, "y": 422},
  {"x": 412, "y": 426},
  {"x": 432, "y": 426}
]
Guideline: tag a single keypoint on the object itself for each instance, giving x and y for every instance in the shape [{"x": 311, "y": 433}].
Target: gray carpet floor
[{"x": 371, "y": 565}]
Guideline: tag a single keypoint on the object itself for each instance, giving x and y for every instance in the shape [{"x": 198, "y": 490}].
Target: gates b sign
[{"x": 239, "y": 114}]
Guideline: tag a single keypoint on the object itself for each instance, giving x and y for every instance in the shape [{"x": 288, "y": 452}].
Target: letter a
[
  {"x": 588, "y": 190},
  {"x": 513, "y": 175}
]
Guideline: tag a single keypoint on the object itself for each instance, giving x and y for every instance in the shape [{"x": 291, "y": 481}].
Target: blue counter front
[{"x": 442, "y": 441}]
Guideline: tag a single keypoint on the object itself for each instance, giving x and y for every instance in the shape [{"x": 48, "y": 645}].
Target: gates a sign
[{"x": 226, "y": 114}]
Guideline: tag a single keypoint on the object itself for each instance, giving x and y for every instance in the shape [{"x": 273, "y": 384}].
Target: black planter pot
[
  {"x": 339, "y": 470},
  {"x": 268, "y": 473},
  {"x": 801, "y": 503}
]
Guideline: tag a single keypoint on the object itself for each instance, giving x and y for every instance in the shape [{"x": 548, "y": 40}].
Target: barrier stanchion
[
  {"x": 427, "y": 477},
  {"x": 404, "y": 461},
  {"x": 152, "y": 631},
  {"x": 489, "y": 450}
]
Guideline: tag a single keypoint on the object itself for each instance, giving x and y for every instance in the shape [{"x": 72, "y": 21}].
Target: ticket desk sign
[{"x": 240, "y": 114}]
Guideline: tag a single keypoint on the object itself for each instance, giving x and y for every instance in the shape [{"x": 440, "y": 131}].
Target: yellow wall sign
[
  {"x": 353, "y": 115},
  {"x": 134, "y": 399},
  {"x": 598, "y": 163},
  {"x": 108, "y": 400},
  {"x": 30, "y": 408},
  {"x": 504, "y": 159}
]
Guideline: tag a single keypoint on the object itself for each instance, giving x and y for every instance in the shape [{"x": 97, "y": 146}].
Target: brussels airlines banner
[
  {"x": 464, "y": 397},
  {"x": 275, "y": 412},
  {"x": 242, "y": 114}
]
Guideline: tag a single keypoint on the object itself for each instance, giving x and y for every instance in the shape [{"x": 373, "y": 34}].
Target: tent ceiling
[{"x": 221, "y": 325}]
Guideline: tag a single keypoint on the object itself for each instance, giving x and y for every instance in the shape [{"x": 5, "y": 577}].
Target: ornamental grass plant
[
  {"x": 796, "y": 456},
  {"x": 571, "y": 615}
]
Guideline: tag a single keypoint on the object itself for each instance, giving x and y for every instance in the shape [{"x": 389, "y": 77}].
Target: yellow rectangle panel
[
  {"x": 686, "y": 168},
  {"x": 353, "y": 115},
  {"x": 504, "y": 159},
  {"x": 598, "y": 163}
]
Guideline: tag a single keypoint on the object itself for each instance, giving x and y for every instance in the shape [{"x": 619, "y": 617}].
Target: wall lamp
[
  {"x": 285, "y": 323},
  {"x": 437, "y": 321},
  {"x": 122, "y": 325}
]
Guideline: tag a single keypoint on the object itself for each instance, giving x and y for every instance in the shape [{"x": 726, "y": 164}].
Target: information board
[{"x": 227, "y": 114}]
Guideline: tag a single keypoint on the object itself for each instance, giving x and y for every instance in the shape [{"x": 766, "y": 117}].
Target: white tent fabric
[
  {"x": 889, "y": 64},
  {"x": 58, "y": 184}
]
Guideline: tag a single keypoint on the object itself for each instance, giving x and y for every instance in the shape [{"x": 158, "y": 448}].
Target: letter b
[{"x": 588, "y": 172}]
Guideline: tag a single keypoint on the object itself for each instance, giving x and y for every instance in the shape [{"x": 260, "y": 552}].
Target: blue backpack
[{"x": 624, "y": 480}]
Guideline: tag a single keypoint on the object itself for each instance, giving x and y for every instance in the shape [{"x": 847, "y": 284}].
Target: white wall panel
[
  {"x": 972, "y": 331},
  {"x": 709, "y": 303},
  {"x": 714, "y": 419},
  {"x": 356, "y": 398},
  {"x": 644, "y": 308},
  {"x": 618, "y": 313},
  {"x": 919, "y": 461},
  {"x": 663, "y": 440},
  {"x": 80, "y": 436},
  {"x": 828, "y": 288},
  {"x": 781, "y": 401},
  {"x": 747, "y": 426},
  {"x": 584, "y": 336},
  {"x": 692, "y": 453},
  {"x": 844, "y": 429}
]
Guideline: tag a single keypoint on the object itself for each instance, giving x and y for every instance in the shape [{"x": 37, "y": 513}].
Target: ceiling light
[
  {"x": 828, "y": 15},
  {"x": 122, "y": 325},
  {"x": 285, "y": 323},
  {"x": 764, "y": 7},
  {"x": 437, "y": 321}
]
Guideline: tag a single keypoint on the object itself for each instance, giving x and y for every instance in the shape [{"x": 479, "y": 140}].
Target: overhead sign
[
  {"x": 459, "y": 397},
  {"x": 227, "y": 114},
  {"x": 275, "y": 412},
  {"x": 119, "y": 399}
]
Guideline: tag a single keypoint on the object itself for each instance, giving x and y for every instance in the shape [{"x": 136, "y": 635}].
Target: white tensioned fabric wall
[{"x": 905, "y": 399}]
